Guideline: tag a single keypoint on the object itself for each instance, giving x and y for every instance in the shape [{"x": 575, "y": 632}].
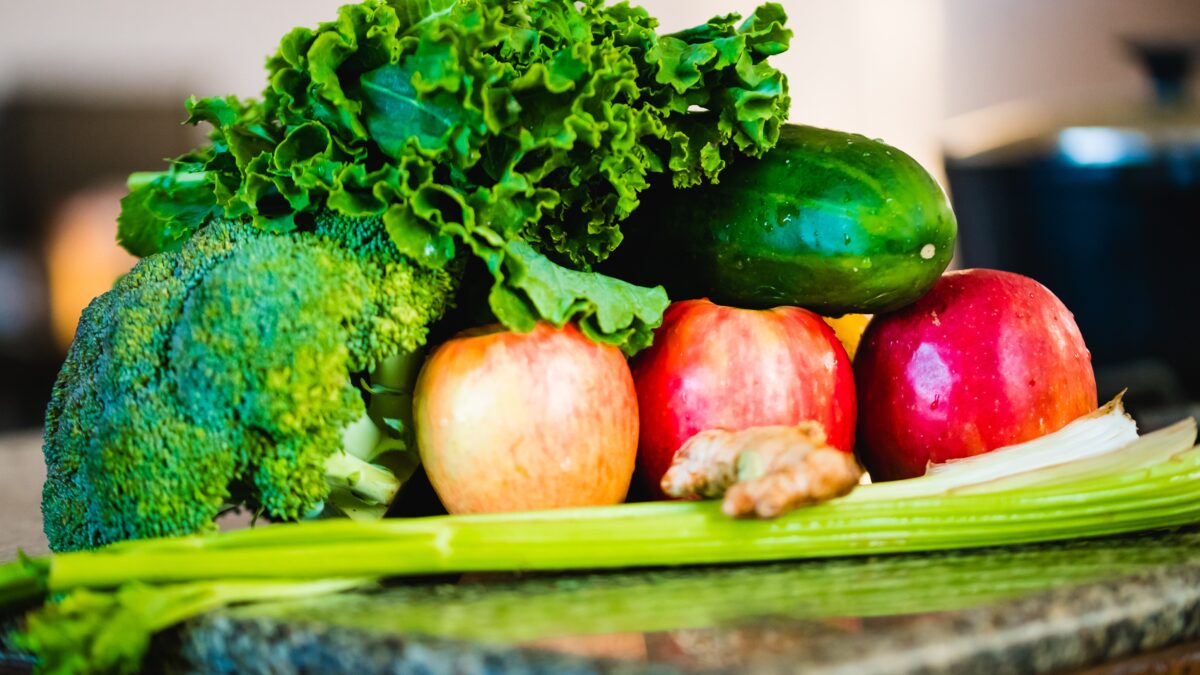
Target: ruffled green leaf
[
  {"x": 471, "y": 126},
  {"x": 161, "y": 213},
  {"x": 608, "y": 310},
  {"x": 397, "y": 114},
  {"x": 413, "y": 14}
]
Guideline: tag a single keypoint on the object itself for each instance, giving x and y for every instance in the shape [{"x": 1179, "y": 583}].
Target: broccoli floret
[{"x": 228, "y": 374}]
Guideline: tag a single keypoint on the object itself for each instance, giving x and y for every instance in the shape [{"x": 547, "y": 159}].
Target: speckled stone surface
[{"x": 1036, "y": 609}]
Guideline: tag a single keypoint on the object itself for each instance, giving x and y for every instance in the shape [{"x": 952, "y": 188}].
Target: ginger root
[{"x": 762, "y": 471}]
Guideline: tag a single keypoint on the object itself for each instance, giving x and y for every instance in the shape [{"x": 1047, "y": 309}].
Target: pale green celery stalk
[
  {"x": 1107, "y": 430},
  {"x": 1149, "y": 450},
  {"x": 1108, "y": 495},
  {"x": 484, "y": 550},
  {"x": 142, "y": 178},
  {"x": 641, "y": 520},
  {"x": 696, "y": 532}
]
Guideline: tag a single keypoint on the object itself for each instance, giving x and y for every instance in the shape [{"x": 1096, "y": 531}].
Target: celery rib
[
  {"x": 678, "y": 533},
  {"x": 1147, "y": 484}
]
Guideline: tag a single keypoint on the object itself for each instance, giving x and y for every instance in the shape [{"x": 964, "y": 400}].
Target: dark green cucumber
[{"x": 830, "y": 221}]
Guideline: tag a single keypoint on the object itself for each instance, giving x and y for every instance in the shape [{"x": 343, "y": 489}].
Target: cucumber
[{"x": 833, "y": 222}]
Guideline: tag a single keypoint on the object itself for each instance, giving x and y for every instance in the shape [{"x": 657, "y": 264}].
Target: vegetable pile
[
  {"x": 326, "y": 228},
  {"x": 419, "y": 167},
  {"x": 474, "y": 123}
]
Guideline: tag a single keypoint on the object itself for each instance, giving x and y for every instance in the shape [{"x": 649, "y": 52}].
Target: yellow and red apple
[{"x": 511, "y": 421}]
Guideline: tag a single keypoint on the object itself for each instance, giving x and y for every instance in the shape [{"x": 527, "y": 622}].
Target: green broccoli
[{"x": 227, "y": 374}]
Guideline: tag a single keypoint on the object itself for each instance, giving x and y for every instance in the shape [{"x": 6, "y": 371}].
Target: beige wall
[
  {"x": 1001, "y": 50},
  {"x": 867, "y": 65},
  {"x": 134, "y": 47},
  {"x": 893, "y": 69}
]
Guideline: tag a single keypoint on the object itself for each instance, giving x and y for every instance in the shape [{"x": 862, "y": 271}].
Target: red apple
[
  {"x": 508, "y": 421},
  {"x": 714, "y": 367},
  {"x": 986, "y": 359}
]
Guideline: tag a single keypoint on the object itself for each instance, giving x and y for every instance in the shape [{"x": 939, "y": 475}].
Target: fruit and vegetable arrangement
[{"x": 586, "y": 282}]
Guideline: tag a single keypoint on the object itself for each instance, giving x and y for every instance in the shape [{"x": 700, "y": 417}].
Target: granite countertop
[{"x": 1034, "y": 609}]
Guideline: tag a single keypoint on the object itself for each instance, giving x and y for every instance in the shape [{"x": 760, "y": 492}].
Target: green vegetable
[
  {"x": 466, "y": 124},
  {"x": 1099, "y": 436},
  {"x": 163, "y": 210},
  {"x": 1150, "y": 483},
  {"x": 833, "y": 222},
  {"x": 671, "y": 533},
  {"x": 221, "y": 375}
]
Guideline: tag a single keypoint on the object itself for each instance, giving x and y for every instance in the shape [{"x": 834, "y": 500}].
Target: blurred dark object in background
[
  {"x": 1102, "y": 205},
  {"x": 62, "y": 165}
]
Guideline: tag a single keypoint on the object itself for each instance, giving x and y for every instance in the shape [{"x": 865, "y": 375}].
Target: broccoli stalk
[
  {"x": 378, "y": 449},
  {"x": 370, "y": 487}
]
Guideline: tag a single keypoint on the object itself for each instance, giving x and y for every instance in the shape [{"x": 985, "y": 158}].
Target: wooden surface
[{"x": 21, "y": 476}]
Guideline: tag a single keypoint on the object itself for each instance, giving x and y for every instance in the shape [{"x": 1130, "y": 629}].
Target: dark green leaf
[
  {"x": 396, "y": 114},
  {"x": 162, "y": 214},
  {"x": 609, "y": 310},
  {"x": 473, "y": 126}
]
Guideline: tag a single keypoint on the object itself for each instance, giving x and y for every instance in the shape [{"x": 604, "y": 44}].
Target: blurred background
[{"x": 1063, "y": 130}]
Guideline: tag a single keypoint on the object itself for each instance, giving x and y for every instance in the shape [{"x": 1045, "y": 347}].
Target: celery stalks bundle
[{"x": 1150, "y": 483}]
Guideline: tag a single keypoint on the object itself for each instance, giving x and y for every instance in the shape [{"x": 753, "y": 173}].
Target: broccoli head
[{"x": 245, "y": 369}]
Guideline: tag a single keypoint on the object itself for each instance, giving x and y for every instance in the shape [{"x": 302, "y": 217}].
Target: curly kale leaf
[
  {"x": 163, "y": 210},
  {"x": 607, "y": 310},
  {"x": 470, "y": 124}
]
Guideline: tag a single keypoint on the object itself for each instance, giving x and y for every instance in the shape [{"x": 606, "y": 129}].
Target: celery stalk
[
  {"x": 1149, "y": 483},
  {"x": 1160, "y": 495},
  {"x": 1104, "y": 431},
  {"x": 1146, "y": 451}
]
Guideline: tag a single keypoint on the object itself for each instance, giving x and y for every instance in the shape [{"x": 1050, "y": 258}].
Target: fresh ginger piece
[{"x": 762, "y": 471}]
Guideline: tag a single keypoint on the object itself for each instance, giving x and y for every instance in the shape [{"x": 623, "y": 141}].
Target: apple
[
  {"x": 984, "y": 360},
  {"x": 715, "y": 367},
  {"x": 507, "y": 421}
]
